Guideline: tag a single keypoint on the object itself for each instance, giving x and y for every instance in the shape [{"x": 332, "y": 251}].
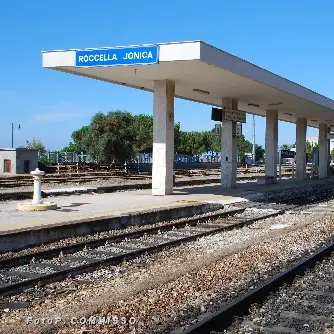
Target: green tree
[
  {"x": 143, "y": 127},
  {"x": 80, "y": 142},
  {"x": 286, "y": 147},
  {"x": 185, "y": 143},
  {"x": 332, "y": 154},
  {"x": 243, "y": 146},
  {"x": 71, "y": 147},
  {"x": 177, "y": 137},
  {"x": 308, "y": 149},
  {"x": 192, "y": 143},
  {"x": 216, "y": 142},
  {"x": 37, "y": 145},
  {"x": 111, "y": 136},
  {"x": 81, "y": 139},
  {"x": 259, "y": 152},
  {"x": 209, "y": 141}
]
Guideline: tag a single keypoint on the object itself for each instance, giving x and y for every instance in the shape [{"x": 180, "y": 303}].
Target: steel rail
[
  {"x": 42, "y": 279},
  {"x": 66, "y": 271},
  {"x": 239, "y": 307},
  {"x": 74, "y": 247}
]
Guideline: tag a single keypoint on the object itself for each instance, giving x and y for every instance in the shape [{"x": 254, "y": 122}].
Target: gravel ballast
[
  {"x": 177, "y": 287},
  {"x": 305, "y": 306}
]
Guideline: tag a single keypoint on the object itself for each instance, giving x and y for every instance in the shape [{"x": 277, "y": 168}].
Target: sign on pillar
[
  {"x": 218, "y": 129},
  {"x": 238, "y": 129}
]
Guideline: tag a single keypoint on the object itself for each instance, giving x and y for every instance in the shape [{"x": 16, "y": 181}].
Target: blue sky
[{"x": 291, "y": 38}]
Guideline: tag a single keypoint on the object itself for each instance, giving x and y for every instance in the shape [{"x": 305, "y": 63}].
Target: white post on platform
[
  {"x": 37, "y": 204},
  {"x": 37, "y": 174},
  {"x": 271, "y": 146},
  {"x": 301, "y": 127},
  {"x": 323, "y": 151},
  {"x": 229, "y": 148},
  {"x": 163, "y": 138}
]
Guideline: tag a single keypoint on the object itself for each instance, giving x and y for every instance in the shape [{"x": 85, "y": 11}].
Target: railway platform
[
  {"x": 92, "y": 213},
  {"x": 89, "y": 206}
]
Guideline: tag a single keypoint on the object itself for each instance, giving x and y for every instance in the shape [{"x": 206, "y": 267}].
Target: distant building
[
  {"x": 18, "y": 160},
  {"x": 314, "y": 140}
]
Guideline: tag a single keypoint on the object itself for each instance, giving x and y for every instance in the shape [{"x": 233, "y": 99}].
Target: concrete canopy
[{"x": 206, "y": 74}]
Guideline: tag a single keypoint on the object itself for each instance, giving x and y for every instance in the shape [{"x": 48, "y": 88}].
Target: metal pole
[
  {"x": 12, "y": 135},
  {"x": 253, "y": 139}
]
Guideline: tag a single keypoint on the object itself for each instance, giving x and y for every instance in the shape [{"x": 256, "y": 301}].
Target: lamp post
[{"x": 19, "y": 127}]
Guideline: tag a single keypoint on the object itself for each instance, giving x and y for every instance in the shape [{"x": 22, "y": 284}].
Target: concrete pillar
[
  {"x": 301, "y": 126},
  {"x": 271, "y": 146},
  {"x": 229, "y": 148},
  {"x": 323, "y": 151},
  {"x": 163, "y": 138},
  {"x": 329, "y": 154}
]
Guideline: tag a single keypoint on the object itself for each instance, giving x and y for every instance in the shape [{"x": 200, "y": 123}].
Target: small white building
[
  {"x": 314, "y": 140},
  {"x": 18, "y": 160}
]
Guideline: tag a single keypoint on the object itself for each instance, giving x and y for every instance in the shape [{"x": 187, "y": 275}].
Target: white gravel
[
  {"x": 307, "y": 305},
  {"x": 9, "y": 279},
  {"x": 178, "y": 286},
  {"x": 109, "y": 233},
  {"x": 37, "y": 270}
]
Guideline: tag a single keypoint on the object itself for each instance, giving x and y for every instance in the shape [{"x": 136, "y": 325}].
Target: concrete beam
[
  {"x": 301, "y": 126},
  {"x": 229, "y": 148},
  {"x": 271, "y": 146},
  {"x": 163, "y": 137}
]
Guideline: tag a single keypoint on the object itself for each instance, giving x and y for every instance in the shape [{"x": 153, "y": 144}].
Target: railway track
[
  {"x": 300, "y": 299},
  {"x": 25, "y": 271},
  {"x": 305, "y": 306},
  {"x": 81, "y": 178},
  {"x": 19, "y": 273}
]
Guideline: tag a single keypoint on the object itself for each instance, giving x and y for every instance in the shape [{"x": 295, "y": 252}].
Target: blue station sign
[
  {"x": 136, "y": 55},
  {"x": 287, "y": 154}
]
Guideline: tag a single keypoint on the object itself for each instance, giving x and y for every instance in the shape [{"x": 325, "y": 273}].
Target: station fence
[{"x": 58, "y": 157}]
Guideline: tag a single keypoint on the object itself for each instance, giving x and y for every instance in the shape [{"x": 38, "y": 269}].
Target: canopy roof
[{"x": 206, "y": 74}]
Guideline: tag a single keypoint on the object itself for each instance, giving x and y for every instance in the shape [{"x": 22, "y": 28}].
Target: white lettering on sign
[
  {"x": 217, "y": 129},
  {"x": 138, "y": 55},
  {"x": 234, "y": 115},
  {"x": 97, "y": 57},
  {"x": 239, "y": 129},
  {"x": 103, "y": 57},
  {"x": 144, "y": 55}
]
